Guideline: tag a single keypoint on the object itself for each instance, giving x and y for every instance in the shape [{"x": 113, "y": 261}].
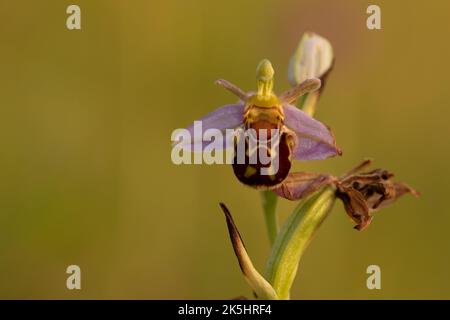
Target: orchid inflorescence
[{"x": 266, "y": 125}]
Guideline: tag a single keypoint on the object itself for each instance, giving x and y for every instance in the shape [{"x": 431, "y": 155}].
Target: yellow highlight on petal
[
  {"x": 257, "y": 100},
  {"x": 249, "y": 171}
]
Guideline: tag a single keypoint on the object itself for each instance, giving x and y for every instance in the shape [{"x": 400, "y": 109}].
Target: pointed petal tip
[
  {"x": 363, "y": 224},
  {"x": 224, "y": 209},
  {"x": 315, "y": 140},
  {"x": 414, "y": 192},
  {"x": 228, "y": 217},
  {"x": 405, "y": 188}
]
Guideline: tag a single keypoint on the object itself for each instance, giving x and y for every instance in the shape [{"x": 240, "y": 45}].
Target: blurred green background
[{"x": 86, "y": 117}]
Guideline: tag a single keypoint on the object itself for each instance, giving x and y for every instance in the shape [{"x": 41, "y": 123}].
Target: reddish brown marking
[
  {"x": 258, "y": 180},
  {"x": 264, "y": 125}
]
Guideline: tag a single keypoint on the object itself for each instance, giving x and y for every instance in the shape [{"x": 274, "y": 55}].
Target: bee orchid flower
[{"x": 264, "y": 117}]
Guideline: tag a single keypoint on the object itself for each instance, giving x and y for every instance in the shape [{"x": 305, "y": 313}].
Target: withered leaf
[
  {"x": 361, "y": 193},
  {"x": 356, "y": 206},
  {"x": 365, "y": 193}
]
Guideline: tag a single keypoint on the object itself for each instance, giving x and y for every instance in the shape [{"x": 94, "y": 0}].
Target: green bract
[{"x": 294, "y": 237}]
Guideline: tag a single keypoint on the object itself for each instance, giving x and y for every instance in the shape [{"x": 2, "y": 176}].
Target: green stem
[
  {"x": 269, "y": 202},
  {"x": 294, "y": 238}
]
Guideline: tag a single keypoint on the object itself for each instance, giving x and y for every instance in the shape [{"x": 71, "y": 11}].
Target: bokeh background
[{"x": 85, "y": 122}]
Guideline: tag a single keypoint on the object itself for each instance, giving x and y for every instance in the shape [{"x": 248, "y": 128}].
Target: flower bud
[{"x": 313, "y": 58}]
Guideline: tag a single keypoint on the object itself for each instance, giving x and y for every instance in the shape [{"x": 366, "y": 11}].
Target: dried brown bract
[
  {"x": 361, "y": 193},
  {"x": 364, "y": 193}
]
